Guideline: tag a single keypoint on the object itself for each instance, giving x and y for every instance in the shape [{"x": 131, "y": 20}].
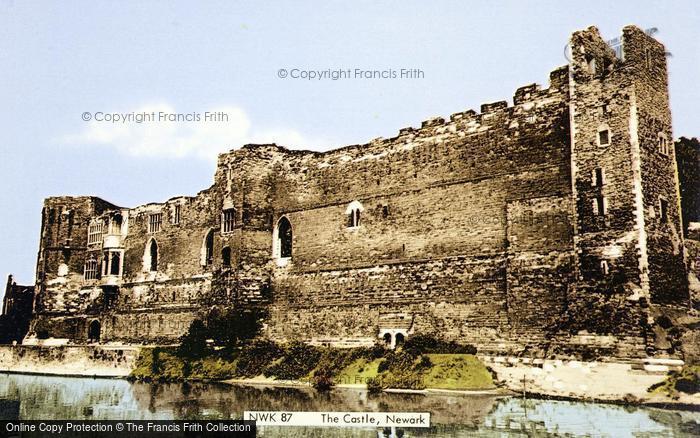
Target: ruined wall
[
  {"x": 17, "y": 305},
  {"x": 505, "y": 228},
  {"x": 646, "y": 64},
  {"x": 432, "y": 243},
  {"x": 688, "y": 162}
]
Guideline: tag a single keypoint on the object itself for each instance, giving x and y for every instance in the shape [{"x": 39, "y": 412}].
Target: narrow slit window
[
  {"x": 663, "y": 210},
  {"x": 598, "y": 177},
  {"x": 663, "y": 144},
  {"x": 599, "y": 206}
]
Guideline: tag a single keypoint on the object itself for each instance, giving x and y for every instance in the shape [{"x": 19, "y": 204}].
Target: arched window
[
  {"x": 283, "y": 239},
  {"x": 90, "y": 271},
  {"x": 208, "y": 249},
  {"x": 353, "y": 213},
  {"x": 115, "y": 266},
  {"x": 226, "y": 257},
  {"x": 150, "y": 256}
]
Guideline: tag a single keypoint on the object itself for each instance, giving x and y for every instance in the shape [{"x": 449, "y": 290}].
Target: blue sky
[{"x": 60, "y": 59}]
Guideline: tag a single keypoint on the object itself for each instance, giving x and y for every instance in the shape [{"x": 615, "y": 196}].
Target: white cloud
[{"x": 180, "y": 139}]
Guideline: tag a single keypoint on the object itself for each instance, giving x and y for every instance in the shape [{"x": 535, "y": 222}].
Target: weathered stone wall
[
  {"x": 433, "y": 241},
  {"x": 688, "y": 162},
  {"x": 482, "y": 228},
  {"x": 628, "y": 258}
]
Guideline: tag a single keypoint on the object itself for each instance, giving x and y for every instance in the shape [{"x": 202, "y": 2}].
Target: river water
[{"x": 49, "y": 397}]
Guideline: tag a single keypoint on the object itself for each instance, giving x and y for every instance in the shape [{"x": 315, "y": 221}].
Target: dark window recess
[
  {"x": 599, "y": 177},
  {"x": 154, "y": 256},
  {"x": 226, "y": 257},
  {"x": 354, "y": 218},
  {"x": 209, "y": 248},
  {"x": 600, "y": 205},
  {"x": 664, "y": 211},
  {"x": 284, "y": 233},
  {"x": 385, "y": 211},
  {"x": 114, "y": 268},
  {"x": 604, "y": 137}
]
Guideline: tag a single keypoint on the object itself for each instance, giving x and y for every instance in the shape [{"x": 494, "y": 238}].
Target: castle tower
[{"x": 624, "y": 180}]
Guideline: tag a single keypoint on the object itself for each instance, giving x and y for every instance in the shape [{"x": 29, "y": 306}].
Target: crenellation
[{"x": 487, "y": 108}]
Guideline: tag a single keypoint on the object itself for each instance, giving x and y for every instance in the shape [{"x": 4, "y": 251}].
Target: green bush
[
  {"x": 230, "y": 328},
  {"x": 322, "y": 379},
  {"x": 396, "y": 360},
  {"x": 424, "y": 344},
  {"x": 298, "y": 361},
  {"x": 193, "y": 344},
  {"x": 374, "y": 385},
  {"x": 255, "y": 357}
]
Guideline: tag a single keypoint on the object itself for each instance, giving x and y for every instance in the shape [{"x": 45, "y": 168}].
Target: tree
[
  {"x": 194, "y": 343},
  {"x": 230, "y": 328}
]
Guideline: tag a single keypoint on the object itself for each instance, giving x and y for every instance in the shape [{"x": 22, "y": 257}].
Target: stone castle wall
[{"x": 481, "y": 228}]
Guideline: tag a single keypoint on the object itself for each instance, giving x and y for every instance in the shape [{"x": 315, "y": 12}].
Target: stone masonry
[{"x": 552, "y": 224}]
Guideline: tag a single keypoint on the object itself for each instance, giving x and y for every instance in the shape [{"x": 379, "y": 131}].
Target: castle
[{"x": 555, "y": 221}]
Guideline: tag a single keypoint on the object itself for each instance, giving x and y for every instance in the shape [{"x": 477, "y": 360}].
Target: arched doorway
[
  {"x": 94, "y": 331},
  {"x": 399, "y": 339},
  {"x": 387, "y": 339}
]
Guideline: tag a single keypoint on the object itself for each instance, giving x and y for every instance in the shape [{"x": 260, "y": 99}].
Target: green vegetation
[
  {"x": 408, "y": 368},
  {"x": 253, "y": 359},
  {"x": 687, "y": 381},
  {"x": 298, "y": 361},
  {"x": 457, "y": 371},
  {"x": 165, "y": 365}
]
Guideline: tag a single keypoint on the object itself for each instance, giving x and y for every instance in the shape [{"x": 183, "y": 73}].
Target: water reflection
[{"x": 47, "y": 397}]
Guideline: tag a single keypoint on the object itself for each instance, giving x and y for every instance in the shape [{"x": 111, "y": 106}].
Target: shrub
[
  {"x": 229, "y": 328},
  {"x": 422, "y": 344},
  {"x": 322, "y": 379},
  {"x": 395, "y": 361},
  {"x": 298, "y": 361},
  {"x": 194, "y": 343},
  {"x": 424, "y": 363},
  {"x": 256, "y": 356},
  {"x": 374, "y": 385}
]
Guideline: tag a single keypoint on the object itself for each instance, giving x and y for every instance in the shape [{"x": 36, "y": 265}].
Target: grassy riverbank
[{"x": 424, "y": 363}]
